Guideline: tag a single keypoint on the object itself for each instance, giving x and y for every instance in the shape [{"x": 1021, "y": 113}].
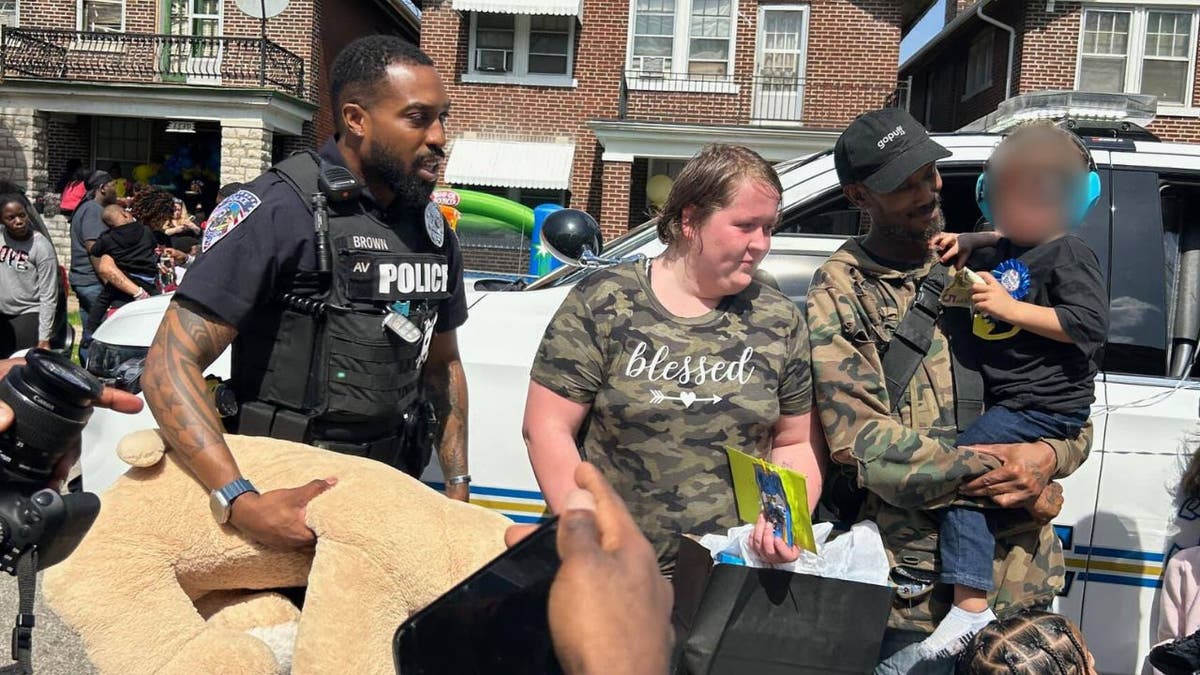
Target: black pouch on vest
[{"x": 364, "y": 373}]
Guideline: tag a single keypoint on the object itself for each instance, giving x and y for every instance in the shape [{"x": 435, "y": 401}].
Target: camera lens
[{"x": 51, "y": 400}]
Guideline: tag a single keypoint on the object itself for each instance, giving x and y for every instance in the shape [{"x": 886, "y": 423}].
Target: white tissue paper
[{"x": 856, "y": 555}]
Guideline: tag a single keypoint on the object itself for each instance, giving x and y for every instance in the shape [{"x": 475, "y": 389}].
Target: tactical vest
[{"x": 331, "y": 358}]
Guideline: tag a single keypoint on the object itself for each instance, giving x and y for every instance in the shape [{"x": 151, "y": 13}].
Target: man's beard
[
  {"x": 409, "y": 189},
  {"x": 900, "y": 232}
]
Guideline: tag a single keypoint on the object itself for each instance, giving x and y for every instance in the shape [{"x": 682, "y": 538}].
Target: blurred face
[
  {"x": 726, "y": 250},
  {"x": 115, "y": 217},
  {"x": 1032, "y": 192},
  {"x": 16, "y": 221},
  {"x": 911, "y": 213},
  {"x": 108, "y": 193},
  {"x": 178, "y": 209},
  {"x": 403, "y": 132}
]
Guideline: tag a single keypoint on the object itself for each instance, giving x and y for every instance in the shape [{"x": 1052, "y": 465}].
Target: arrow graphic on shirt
[{"x": 687, "y": 398}]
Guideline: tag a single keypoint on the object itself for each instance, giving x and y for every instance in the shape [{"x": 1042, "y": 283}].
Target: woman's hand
[{"x": 769, "y": 548}]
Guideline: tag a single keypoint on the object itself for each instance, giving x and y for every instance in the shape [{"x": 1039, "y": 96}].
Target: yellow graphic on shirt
[{"x": 985, "y": 328}]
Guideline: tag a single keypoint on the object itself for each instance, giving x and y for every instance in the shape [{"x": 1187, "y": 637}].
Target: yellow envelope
[{"x": 758, "y": 483}]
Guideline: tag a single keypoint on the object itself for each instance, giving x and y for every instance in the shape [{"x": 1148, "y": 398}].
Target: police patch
[
  {"x": 435, "y": 225},
  {"x": 227, "y": 215}
]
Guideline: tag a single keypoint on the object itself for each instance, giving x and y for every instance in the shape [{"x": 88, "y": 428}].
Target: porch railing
[
  {"x": 756, "y": 99},
  {"x": 244, "y": 62}
]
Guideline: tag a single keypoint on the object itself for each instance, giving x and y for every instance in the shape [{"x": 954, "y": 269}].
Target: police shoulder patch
[{"x": 227, "y": 215}]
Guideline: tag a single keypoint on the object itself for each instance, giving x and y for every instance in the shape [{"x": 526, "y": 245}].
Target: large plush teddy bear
[{"x": 157, "y": 586}]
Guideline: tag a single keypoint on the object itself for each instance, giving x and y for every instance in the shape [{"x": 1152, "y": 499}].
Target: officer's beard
[{"x": 409, "y": 189}]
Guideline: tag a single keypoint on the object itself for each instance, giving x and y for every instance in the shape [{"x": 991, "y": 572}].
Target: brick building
[
  {"x": 1146, "y": 47},
  {"x": 130, "y": 83},
  {"x": 587, "y": 103}
]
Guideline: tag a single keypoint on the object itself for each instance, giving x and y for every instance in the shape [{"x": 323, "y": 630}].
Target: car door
[{"x": 1143, "y": 430}]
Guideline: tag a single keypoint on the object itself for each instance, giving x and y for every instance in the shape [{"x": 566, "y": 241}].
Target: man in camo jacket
[{"x": 906, "y": 462}]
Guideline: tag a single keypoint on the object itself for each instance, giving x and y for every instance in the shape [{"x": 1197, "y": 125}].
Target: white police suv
[{"x": 1122, "y": 518}]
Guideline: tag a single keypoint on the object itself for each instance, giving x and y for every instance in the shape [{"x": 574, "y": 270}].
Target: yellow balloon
[
  {"x": 142, "y": 173},
  {"x": 657, "y": 189}
]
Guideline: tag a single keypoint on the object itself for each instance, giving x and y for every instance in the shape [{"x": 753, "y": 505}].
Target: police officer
[{"x": 340, "y": 288}]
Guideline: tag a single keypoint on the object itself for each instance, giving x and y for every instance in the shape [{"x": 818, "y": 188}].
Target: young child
[
  {"x": 132, "y": 246},
  {"x": 1040, "y": 316},
  {"x": 1029, "y": 643}
]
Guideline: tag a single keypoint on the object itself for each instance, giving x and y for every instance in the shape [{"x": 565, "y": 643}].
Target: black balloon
[{"x": 567, "y": 233}]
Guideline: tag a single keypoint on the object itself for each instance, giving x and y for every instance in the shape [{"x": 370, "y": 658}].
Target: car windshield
[{"x": 618, "y": 248}]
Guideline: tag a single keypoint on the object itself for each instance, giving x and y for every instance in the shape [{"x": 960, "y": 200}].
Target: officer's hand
[
  {"x": 277, "y": 518},
  {"x": 1025, "y": 471},
  {"x": 610, "y": 609}
]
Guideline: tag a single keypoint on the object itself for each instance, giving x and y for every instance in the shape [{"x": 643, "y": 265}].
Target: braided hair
[
  {"x": 152, "y": 206},
  {"x": 1030, "y": 643}
]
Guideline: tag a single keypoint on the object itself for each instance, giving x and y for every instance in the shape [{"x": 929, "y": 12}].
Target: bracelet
[{"x": 463, "y": 479}]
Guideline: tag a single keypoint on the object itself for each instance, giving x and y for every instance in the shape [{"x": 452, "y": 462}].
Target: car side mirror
[{"x": 572, "y": 236}]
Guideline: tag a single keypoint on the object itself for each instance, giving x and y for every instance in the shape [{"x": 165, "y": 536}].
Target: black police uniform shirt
[
  {"x": 1025, "y": 371},
  {"x": 267, "y": 251}
]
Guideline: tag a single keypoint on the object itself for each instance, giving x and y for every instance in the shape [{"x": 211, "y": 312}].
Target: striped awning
[
  {"x": 553, "y": 7},
  {"x": 519, "y": 164}
]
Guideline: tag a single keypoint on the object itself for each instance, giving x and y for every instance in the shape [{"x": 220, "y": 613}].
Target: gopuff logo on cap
[{"x": 892, "y": 135}]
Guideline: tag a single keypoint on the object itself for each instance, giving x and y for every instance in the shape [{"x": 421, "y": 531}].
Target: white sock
[{"x": 954, "y": 632}]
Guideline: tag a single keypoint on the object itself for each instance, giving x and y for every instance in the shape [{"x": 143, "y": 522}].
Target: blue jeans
[
  {"x": 87, "y": 295},
  {"x": 965, "y": 539},
  {"x": 899, "y": 656}
]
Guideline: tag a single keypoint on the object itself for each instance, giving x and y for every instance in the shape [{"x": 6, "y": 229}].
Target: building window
[
  {"x": 522, "y": 48},
  {"x": 1147, "y": 50},
  {"x": 979, "y": 63},
  {"x": 692, "y": 37},
  {"x": 10, "y": 12},
  {"x": 123, "y": 140},
  {"x": 105, "y": 16}
]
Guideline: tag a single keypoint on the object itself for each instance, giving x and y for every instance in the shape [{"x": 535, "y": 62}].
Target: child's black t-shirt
[
  {"x": 132, "y": 246},
  {"x": 1022, "y": 370}
]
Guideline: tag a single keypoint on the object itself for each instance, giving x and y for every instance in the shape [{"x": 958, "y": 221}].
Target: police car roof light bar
[{"x": 1080, "y": 107}]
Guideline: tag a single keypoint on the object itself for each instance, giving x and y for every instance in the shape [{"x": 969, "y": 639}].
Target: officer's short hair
[{"x": 364, "y": 63}]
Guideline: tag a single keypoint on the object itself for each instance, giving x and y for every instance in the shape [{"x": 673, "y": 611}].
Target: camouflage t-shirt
[{"x": 667, "y": 394}]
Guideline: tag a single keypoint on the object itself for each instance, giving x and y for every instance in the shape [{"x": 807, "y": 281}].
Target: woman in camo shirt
[{"x": 671, "y": 360}]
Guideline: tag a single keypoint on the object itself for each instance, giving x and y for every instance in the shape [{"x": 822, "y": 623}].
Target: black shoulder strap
[
  {"x": 968, "y": 382},
  {"x": 913, "y": 337},
  {"x": 301, "y": 171}
]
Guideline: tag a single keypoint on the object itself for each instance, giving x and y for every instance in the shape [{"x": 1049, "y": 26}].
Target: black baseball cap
[
  {"x": 882, "y": 148},
  {"x": 97, "y": 179}
]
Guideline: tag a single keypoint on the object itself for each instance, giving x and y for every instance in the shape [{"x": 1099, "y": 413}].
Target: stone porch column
[
  {"x": 23, "y": 149},
  {"x": 245, "y": 151}
]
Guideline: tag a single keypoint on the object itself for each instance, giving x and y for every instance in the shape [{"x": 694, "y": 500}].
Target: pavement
[{"x": 57, "y": 650}]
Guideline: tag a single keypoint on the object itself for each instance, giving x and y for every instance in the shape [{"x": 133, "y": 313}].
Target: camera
[{"x": 51, "y": 399}]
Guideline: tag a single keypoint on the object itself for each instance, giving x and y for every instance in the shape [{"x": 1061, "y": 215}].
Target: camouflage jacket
[{"x": 907, "y": 462}]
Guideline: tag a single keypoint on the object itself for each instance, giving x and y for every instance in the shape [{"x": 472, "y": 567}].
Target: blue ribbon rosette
[{"x": 1013, "y": 275}]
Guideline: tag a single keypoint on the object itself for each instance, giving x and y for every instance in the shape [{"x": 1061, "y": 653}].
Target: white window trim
[
  {"x": 988, "y": 35},
  {"x": 16, "y": 14},
  {"x": 681, "y": 47},
  {"x": 1135, "y": 46},
  {"x": 520, "y": 73},
  {"x": 79, "y": 15},
  {"x": 802, "y": 75}
]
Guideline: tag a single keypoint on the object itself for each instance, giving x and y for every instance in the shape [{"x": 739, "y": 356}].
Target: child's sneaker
[{"x": 954, "y": 633}]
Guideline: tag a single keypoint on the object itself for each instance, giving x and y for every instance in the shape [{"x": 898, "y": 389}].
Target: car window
[
  {"x": 792, "y": 272},
  {"x": 1179, "y": 196},
  {"x": 1141, "y": 273}
]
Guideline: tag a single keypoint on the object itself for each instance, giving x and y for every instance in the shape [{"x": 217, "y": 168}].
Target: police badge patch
[
  {"x": 435, "y": 225},
  {"x": 227, "y": 215}
]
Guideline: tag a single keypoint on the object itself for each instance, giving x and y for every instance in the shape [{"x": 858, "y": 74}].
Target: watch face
[{"x": 220, "y": 509}]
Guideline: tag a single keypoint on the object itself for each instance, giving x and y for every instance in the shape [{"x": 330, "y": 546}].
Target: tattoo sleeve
[
  {"x": 446, "y": 384},
  {"x": 189, "y": 339}
]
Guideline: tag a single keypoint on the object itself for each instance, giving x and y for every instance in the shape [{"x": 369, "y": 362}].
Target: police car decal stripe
[{"x": 227, "y": 215}]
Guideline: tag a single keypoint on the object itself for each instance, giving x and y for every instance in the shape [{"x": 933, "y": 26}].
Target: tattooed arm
[
  {"x": 189, "y": 339},
  {"x": 447, "y": 386}
]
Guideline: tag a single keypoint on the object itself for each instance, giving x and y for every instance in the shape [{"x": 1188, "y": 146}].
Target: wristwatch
[{"x": 221, "y": 500}]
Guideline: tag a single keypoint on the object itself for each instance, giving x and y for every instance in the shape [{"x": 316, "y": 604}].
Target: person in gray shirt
[
  {"x": 86, "y": 227},
  {"x": 28, "y": 288}
]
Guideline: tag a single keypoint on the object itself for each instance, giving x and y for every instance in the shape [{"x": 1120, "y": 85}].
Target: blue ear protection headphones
[{"x": 1087, "y": 192}]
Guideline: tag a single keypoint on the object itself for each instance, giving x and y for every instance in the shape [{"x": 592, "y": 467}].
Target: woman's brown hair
[
  {"x": 1029, "y": 643},
  {"x": 152, "y": 206},
  {"x": 708, "y": 183}
]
